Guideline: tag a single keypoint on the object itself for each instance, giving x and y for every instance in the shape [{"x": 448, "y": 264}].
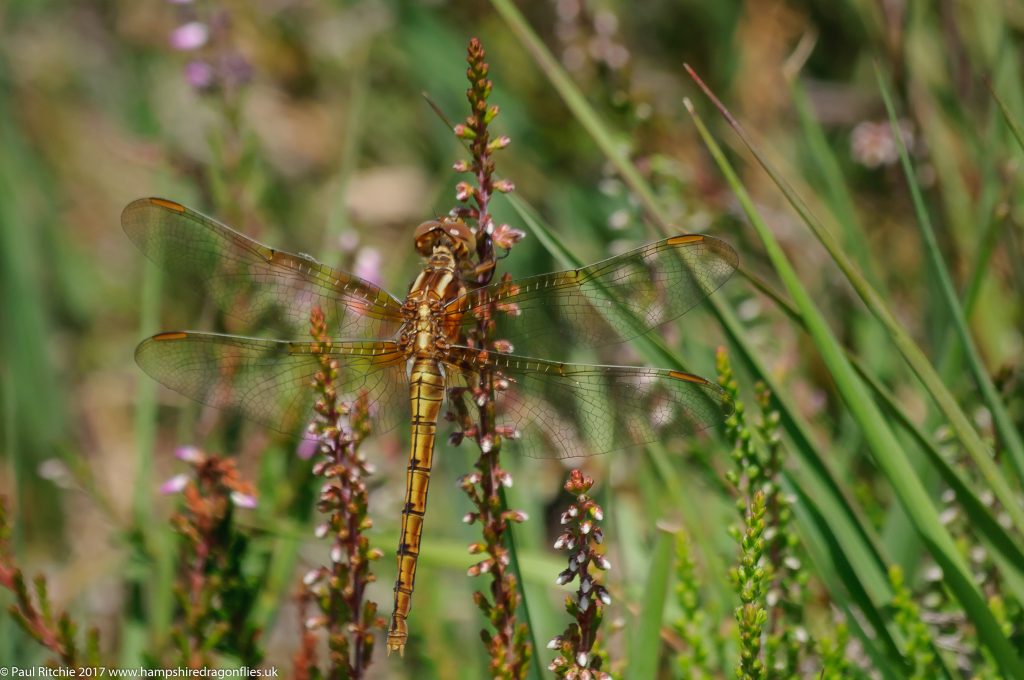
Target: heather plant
[
  {"x": 213, "y": 592},
  {"x": 34, "y": 612},
  {"x": 692, "y": 626},
  {"x": 580, "y": 655},
  {"x": 507, "y": 640},
  {"x": 338, "y": 590}
]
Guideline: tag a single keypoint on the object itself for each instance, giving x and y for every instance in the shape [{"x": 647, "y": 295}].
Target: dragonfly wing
[
  {"x": 251, "y": 281},
  {"x": 560, "y": 410},
  {"x": 607, "y": 302},
  {"x": 271, "y": 381}
]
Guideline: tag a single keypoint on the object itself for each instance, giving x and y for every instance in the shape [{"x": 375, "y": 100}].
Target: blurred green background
[{"x": 310, "y": 134}]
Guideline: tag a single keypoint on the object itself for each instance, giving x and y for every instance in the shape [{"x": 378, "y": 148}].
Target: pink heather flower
[
  {"x": 506, "y": 237},
  {"x": 243, "y": 500},
  {"x": 188, "y": 454},
  {"x": 873, "y": 145},
  {"x": 199, "y": 75},
  {"x": 499, "y": 143},
  {"x": 463, "y": 191},
  {"x": 348, "y": 241},
  {"x": 175, "y": 484},
  {"x": 367, "y": 266},
  {"x": 56, "y": 471},
  {"x": 307, "y": 447},
  {"x": 314, "y": 622},
  {"x": 503, "y": 346},
  {"x": 190, "y": 36}
]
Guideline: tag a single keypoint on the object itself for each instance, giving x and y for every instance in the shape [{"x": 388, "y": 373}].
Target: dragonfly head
[{"x": 449, "y": 232}]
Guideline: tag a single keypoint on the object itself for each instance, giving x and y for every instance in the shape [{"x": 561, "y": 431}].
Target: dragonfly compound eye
[{"x": 452, "y": 232}]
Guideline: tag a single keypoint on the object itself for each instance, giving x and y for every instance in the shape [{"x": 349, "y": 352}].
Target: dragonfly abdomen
[{"x": 426, "y": 392}]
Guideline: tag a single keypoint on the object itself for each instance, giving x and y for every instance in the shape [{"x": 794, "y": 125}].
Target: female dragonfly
[{"x": 406, "y": 356}]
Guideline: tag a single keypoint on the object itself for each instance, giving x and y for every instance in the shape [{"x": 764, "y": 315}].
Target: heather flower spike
[
  {"x": 211, "y": 583},
  {"x": 215, "y": 65},
  {"x": 507, "y": 640},
  {"x": 579, "y": 655},
  {"x": 33, "y": 611},
  {"x": 338, "y": 590},
  {"x": 768, "y": 578}
]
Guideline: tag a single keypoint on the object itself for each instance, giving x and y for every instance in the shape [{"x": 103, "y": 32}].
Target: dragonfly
[{"x": 405, "y": 356}]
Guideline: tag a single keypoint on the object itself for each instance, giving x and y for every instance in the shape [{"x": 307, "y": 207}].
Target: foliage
[{"x": 864, "y": 160}]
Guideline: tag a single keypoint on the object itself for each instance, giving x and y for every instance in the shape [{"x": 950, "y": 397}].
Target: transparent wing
[
  {"x": 607, "y": 302},
  {"x": 270, "y": 381},
  {"x": 253, "y": 282},
  {"x": 561, "y": 410}
]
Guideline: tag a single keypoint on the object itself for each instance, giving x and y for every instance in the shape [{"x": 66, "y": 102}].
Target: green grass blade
[
  {"x": 888, "y": 454},
  {"x": 580, "y": 108},
  {"x": 646, "y": 642},
  {"x": 981, "y": 519},
  {"x": 1015, "y": 128},
  {"x": 911, "y": 352},
  {"x": 857, "y": 550},
  {"x": 861, "y": 548},
  {"x": 936, "y": 535},
  {"x": 1004, "y": 423},
  {"x": 825, "y": 548},
  {"x": 825, "y": 166},
  {"x": 524, "y": 607}
]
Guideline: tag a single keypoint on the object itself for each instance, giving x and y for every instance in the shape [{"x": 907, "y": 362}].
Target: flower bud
[{"x": 463, "y": 132}]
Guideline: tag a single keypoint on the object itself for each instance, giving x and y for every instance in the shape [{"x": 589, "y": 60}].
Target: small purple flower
[
  {"x": 199, "y": 75},
  {"x": 348, "y": 241},
  {"x": 506, "y": 237},
  {"x": 307, "y": 447},
  {"x": 175, "y": 484},
  {"x": 503, "y": 346},
  {"x": 188, "y": 454},
  {"x": 873, "y": 144},
  {"x": 190, "y": 36},
  {"x": 243, "y": 500},
  {"x": 367, "y": 266}
]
